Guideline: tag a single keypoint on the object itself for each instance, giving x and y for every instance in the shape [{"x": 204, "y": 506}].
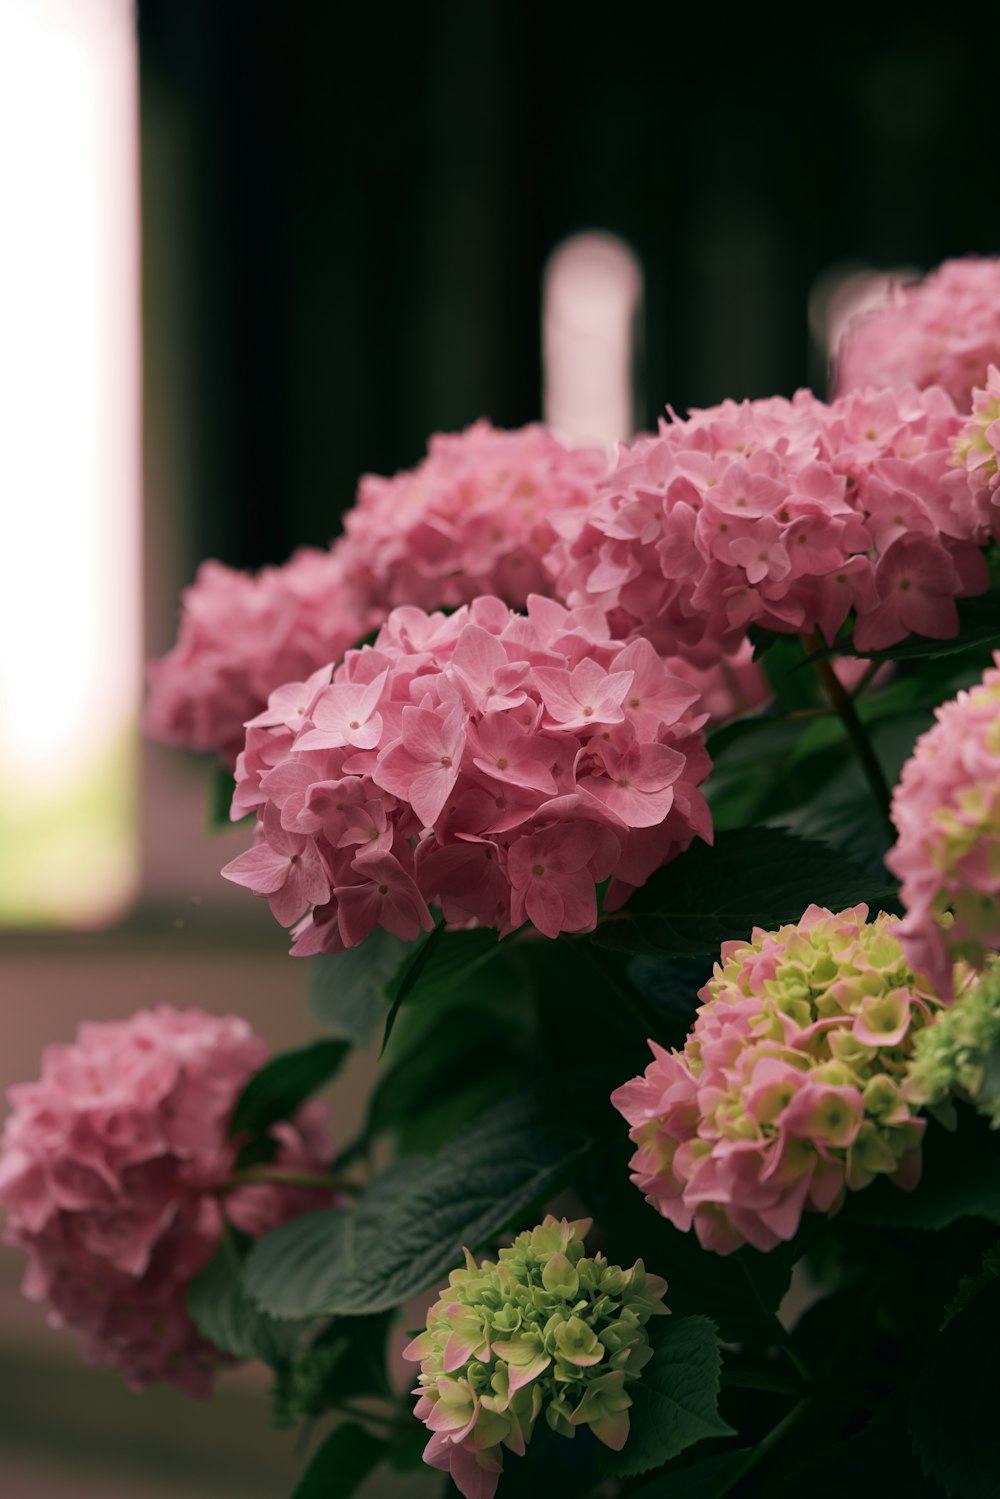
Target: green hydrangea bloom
[
  {"x": 544, "y": 1328},
  {"x": 960, "y": 1052}
]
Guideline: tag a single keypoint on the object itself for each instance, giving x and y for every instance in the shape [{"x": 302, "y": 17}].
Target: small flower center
[
  {"x": 446, "y": 760},
  {"x": 587, "y": 711},
  {"x": 490, "y": 690},
  {"x": 502, "y": 763},
  {"x": 383, "y": 889},
  {"x": 355, "y": 724},
  {"x": 633, "y": 702},
  {"x": 904, "y": 584},
  {"x": 538, "y": 869}
]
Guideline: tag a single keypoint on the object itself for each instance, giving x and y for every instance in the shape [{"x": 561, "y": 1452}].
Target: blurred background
[{"x": 251, "y": 251}]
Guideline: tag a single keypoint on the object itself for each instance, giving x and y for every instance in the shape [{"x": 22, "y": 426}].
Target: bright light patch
[
  {"x": 591, "y": 297},
  {"x": 69, "y": 458}
]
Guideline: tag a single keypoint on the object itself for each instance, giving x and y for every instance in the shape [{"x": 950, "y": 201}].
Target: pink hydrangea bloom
[
  {"x": 946, "y": 809},
  {"x": 496, "y": 764},
  {"x": 944, "y": 330},
  {"x": 241, "y": 636},
  {"x": 978, "y": 448},
  {"x": 111, "y": 1167},
  {"x": 474, "y": 517},
  {"x": 787, "y": 1091},
  {"x": 730, "y": 686},
  {"x": 786, "y": 514}
]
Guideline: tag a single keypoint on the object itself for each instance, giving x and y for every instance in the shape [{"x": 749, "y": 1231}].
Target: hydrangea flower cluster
[
  {"x": 111, "y": 1169},
  {"x": 544, "y": 1328},
  {"x": 498, "y": 764},
  {"x": 786, "y": 514},
  {"x": 946, "y": 809},
  {"x": 241, "y": 635},
  {"x": 473, "y": 518},
  {"x": 978, "y": 448},
  {"x": 944, "y": 330},
  {"x": 960, "y": 1052},
  {"x": 788, "y": 1089}
]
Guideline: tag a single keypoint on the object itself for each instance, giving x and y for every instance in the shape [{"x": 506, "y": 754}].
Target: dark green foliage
[
  {"x": 960, "y": 1179},
  {"x": 278, "y": 1089},
  {"x": 341, "y": 1464},
  {"x": 225, "y": 1315},
  {"x": 409, "y": 1228},
  {"x": 953, "y": 1406},
  {"x": 753, "y": 877}
]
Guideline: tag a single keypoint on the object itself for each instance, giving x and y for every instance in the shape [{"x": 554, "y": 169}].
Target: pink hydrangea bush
[
  {"x": 241, "y": 635},
  {"x": 944, "y": 330},
  {"x": 473, "y": 518},
  {"x": 978, "y": 448},
  {"x": 785, "y": 514},
  {"x": 787, "y": 1092},
  {"x": 112, "y": 1173},
  {"x": 946, "y": 810},
  {"x": 499, "y": 765}
]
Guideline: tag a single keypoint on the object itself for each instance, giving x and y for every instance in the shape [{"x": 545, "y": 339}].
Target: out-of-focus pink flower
[
  {"x": 111, "y": 1170},
  {"x": 785, "y": 514},
  {"x": 508, "y": 764},
  {"x": 473, "y": 518},
  {"x": 944, "y": 330},
  {"x": 241, "y": 637},
  {"x": 787, "y": 1092},
  {"x": 946, "y": 809}
]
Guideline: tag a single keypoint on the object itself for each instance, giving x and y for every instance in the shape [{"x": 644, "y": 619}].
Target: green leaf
[
  {"x": 276, "y": 1091},
  {"x": 452, "y": 1056},
  {"x": 350, "y": 993},
  {"x": 225, "y": 1315},
  {"x": 979, "y": 625},
  {"x": 970, "y": 1286},
  {"x": 960, "y": 1179},
  {"x": 356, "y": 993},
  {"x": 445, "y": 965},
  {"x": 409, "y": 1228},
  {"x": 341, "y": 1464},
  {"x": 347, "y": 1359},
  {"x": 712, "y": 1478},
  {"x": 754, "y": 877},
  {"x": 953, "y": 1402},
  {"x": 676, "y": 1401}
]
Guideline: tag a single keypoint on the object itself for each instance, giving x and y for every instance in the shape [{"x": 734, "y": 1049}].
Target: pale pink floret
[
  {"x": 498, "y": 765},
  {"x": 946, "y": 809},
  {"x": 242, "y": 637},
  {"x": 944, "y": 330},
  {"x": 473, "y": 518},
  {"x": 785, "y": 514},
  {"x": 110, "y": 1173}
]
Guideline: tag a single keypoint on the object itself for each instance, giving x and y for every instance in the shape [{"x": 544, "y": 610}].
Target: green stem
[
  {"x": 843, "y": 704},
  {"x": 767, "y": 1444},
  {"x": 873, "y": 669},
  {"x": 321, "y": 1181},
  {"x": 643, "y": 1012},
  {"x": 377, "y": 1418}
]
